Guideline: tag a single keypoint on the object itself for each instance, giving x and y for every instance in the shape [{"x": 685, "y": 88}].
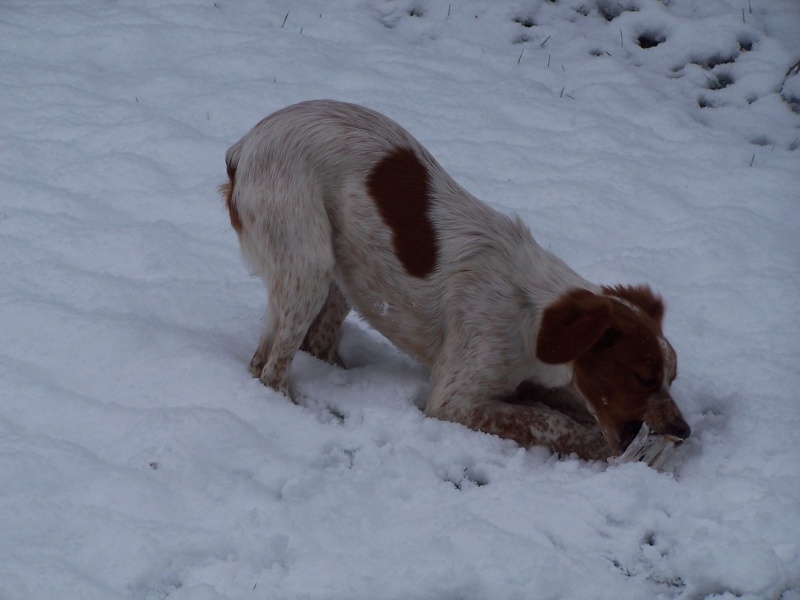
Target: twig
[
  {"x": 284, "y": 20},
  {"x": 743, "y": 19},
  {"x": 548, "y": 61},
  {"x": 545, "y": 41},
  {"x": 448, "y": 10},
  {"x": 520, "y": 55},
  {"x": 752, "y": 159},
  {"x": 621, "y": 40}
]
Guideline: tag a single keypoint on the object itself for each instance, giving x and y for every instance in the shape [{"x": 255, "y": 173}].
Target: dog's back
[{"x": 395, "y": 228}]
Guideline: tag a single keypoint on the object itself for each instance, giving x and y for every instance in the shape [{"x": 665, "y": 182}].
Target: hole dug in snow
[
  {"x": 469, "y": 477},
  {"x": 745, "y": 44},
  {"x": 713, "y": 60},
  {"x": 719, "y": 81},
  {"x": 705, "y": 102},
  {"x": 393, "y": 13},
  {"x": 790, "y": 88},
  {"x": 611, "y": 9},
  {"x": 526, "y": 22},
  {"x": 762, "y": 140},
  {"x": 650, "y": 39}
]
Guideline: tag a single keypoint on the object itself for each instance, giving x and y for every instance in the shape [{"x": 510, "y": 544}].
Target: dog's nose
[{"x": 680, "y": 428}]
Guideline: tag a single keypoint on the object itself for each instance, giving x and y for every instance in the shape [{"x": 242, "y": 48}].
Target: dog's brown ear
[
  {"x": 642, "y": 296},
  {"x": 571, "y": 325}
]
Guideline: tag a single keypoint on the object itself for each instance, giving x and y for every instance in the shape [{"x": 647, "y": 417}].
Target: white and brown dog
[{"x": 337, "y": 206}]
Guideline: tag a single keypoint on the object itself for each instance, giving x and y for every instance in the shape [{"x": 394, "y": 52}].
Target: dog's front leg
[
  {"x": 563, "y": 399},
  {"x": 536, "y": 425}
]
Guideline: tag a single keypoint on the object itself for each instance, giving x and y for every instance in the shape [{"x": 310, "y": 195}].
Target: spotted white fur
[{"x": 318, "y": 222}]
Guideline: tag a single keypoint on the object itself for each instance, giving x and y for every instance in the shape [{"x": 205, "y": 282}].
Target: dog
[{"x": 337, "y": 207}]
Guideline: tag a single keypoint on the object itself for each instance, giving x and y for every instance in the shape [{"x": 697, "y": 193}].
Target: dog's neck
[{"x": 543, "y": 278}]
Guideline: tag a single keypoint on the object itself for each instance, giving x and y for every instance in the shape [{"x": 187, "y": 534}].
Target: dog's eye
[{"x": 650, "y": 382}]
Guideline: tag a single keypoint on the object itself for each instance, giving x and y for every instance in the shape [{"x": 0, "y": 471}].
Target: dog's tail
[{"x": 226, "y": 189}]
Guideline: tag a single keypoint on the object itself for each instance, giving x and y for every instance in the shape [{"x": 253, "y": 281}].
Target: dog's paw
[
  {"x": 279, "y": 385},
  {"x": 654, "y": 449},
  {"x": 257, "y": 364}
]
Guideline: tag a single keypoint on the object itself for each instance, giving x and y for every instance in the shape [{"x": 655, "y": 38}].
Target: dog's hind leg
[
  {"x": 296, "y": 295},
  {"x": 287, "y": 238},
  {"x": 322, "y": 338}
]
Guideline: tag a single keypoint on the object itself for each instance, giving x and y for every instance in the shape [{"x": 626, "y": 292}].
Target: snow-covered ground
[{"x": 642, "y": 141}]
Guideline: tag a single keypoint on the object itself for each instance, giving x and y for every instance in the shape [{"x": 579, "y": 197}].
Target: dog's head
[{"x": 623, "y": 364}]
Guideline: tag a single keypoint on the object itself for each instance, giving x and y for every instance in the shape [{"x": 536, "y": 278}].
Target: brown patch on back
[
  {"x": 226, "y": 191},
  {"x": 399, "y": 184},
  {"x": 641, "y": 296}
]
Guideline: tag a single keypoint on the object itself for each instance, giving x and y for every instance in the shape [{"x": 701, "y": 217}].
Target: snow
[{"x": 138, "y": 458}]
